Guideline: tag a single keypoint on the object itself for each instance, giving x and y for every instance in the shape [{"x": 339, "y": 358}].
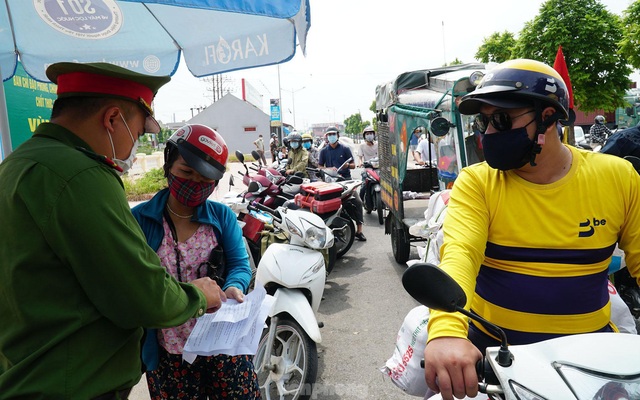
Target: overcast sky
[{"x": 355, "y": 45}]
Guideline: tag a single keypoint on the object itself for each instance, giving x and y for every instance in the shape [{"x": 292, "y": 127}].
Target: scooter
[
  {"x": 371, "y": 183},
  {"x": 294, "y": 274},
  {"x": 343, "y": 220},
  {"x": 272, "y": 188},
  {"x": 594, "y": 366}
]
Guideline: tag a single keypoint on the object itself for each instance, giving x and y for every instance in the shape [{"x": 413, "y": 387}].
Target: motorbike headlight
[
  {"x": 315, "y": 237},
  {"x": 522, "y": 393},
  {"x": 375, "y": 164},
  {"x": 590, "y": 385}
]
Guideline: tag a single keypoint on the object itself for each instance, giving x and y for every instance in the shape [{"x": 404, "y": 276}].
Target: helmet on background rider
[
  {"x": 202, "y": 148},
  {"x": 331, "y": 131},
  {"x": 600, "y": 120},
  {"x": 517, "y": 84},
  {"x": 307, "y": 140},
  {"x": 295, "y": 140},
  {"x": 369, "y": 134}
]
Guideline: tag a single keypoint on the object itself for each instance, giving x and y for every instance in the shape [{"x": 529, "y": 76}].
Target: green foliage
[
  {"x": 145, "y": 186},
  {"x": 164, "y": 135},
  {"x": 630, "y": 42},
  {"x": 354, "y": 125},
  {"x": 497, "y": 48},
  {"x": 374, "y": 122},
  {"x": 589, "y": 35}
]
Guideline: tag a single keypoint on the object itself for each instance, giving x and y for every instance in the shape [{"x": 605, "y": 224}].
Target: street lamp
[{"x": 293, "y": 102}]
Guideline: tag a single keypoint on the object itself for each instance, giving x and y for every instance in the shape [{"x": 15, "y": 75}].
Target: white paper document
[{"x": 234, "y": 329}]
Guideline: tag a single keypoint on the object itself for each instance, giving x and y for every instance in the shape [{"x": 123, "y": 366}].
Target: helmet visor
[{"x": 204, "y": 164}]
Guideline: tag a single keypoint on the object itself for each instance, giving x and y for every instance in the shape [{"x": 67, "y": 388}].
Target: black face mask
[{"x": 507, "y": 149}]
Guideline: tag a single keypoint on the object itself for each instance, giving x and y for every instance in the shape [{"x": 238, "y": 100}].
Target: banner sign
[{"x": 29, "y": 103}]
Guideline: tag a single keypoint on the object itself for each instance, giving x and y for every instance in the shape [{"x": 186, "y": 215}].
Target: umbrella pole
[{"x": 4, "y": 122}]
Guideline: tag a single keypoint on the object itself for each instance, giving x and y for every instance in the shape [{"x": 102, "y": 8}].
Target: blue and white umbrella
[{"x": 214, "y": 36}]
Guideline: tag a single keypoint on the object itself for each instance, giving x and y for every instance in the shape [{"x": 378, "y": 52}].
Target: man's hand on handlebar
[{"x": 450, "y": 367}]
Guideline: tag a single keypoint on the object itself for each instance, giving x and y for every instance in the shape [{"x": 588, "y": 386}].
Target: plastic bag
[{"x": 404, "y": 365}]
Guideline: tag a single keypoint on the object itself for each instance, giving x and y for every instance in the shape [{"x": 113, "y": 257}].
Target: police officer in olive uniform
[{"x": 77, "y": 278}]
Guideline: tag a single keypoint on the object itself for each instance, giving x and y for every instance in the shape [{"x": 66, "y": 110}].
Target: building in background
[{"x": 238, "y": 121}]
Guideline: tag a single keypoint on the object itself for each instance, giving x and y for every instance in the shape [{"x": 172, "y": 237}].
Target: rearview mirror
[
  {"x": 433, "y": 287},
  {"x": 256, "y": 156},
  {"x": 240, "y": 156},
  {"x": 439, "y": 126}
]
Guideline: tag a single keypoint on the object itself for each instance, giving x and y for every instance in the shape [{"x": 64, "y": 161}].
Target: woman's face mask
[
  {"x": 306, "y": 145},
  {"x": 188, "y": 192},
  {"x": 369, "y": 137},
  {"x": 295, "y": 145}
]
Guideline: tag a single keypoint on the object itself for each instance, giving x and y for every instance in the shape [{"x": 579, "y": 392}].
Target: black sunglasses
[{"x": 500, "y": 120}]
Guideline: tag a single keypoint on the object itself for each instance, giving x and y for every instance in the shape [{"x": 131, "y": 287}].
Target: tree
[
  {"x": 631, "y": 36},
  {"x": 354, "y": 125},
  {"x": 374, "y": 122},
  {"x": 497, "y": 48},
  {"x": 589, "y": 35}
]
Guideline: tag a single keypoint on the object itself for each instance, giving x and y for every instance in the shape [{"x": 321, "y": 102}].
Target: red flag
[{"x": 560, "y": 65}]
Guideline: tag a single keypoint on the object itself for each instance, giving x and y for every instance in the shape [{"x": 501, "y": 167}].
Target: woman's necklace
[{"x": 176, "y": 214}]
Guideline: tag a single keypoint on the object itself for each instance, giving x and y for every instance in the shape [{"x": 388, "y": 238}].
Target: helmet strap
[{"x": 541, "y": 128}]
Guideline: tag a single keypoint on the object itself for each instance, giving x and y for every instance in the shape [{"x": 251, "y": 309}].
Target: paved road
[{"x": 363, "y": 307}]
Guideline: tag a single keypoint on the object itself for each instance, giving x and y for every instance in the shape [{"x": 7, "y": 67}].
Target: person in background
[
  {"x": 195, "y": 237},
  {"x": 307, "y": 143},
  {"x": 599, "y": 132},
  {"x": 273, "y": 147},
  {"x": 529, "y": 257},
  {"x": 333, "y": 156},
  {"x": 298, "y": 155},
  {"x": 78, "y": 281},
  {"x": 283, "y": 153},
  {"x": 368, "y": 150},
  {"x": 415, "y": 139},
  {"x": 259, "y": 143},
  {"x": 425, "y": 153}
]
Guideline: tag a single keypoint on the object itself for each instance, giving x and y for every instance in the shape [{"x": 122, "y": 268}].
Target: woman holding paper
[{"x": 195, "y": 237}]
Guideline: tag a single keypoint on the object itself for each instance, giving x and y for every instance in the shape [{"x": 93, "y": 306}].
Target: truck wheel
[
  {"x": 293, "y": 359},
  {"x": 400, "y": 242}
]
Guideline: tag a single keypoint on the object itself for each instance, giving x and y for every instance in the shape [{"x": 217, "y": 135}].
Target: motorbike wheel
[
  {"x": 344, "y": 241},
  {"x": 400, "y": 242},
  {"x": 379, "y": 207},
  {"x": 294, "y": 360}
]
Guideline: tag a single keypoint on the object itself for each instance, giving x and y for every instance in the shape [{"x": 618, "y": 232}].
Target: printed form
[{"x": 234, "y": 329}]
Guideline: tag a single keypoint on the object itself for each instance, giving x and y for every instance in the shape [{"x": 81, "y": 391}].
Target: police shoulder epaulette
[{"x": 103, "y": 159}]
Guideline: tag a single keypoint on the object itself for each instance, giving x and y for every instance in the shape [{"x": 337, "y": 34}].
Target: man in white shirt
[{"x": 426, "y": 152}]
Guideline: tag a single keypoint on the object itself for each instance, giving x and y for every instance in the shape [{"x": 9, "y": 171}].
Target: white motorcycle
[
  {"x": 294, "y": 274},
  {"x": 593, "y": 366}
]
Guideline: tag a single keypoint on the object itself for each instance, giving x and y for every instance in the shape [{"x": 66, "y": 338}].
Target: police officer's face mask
[{"x": 128, "y": 163}]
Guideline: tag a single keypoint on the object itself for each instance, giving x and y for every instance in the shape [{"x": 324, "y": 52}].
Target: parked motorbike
[
  {"x": 341, "y": 220},
  {"x": 294, "y": 274},
  {"x": 594, "y": 366},
  {"x": 371, "y": 183},
  {"x": 273, "y": 188}
]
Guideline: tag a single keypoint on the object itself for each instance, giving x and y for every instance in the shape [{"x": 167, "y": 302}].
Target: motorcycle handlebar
[{"x": 261, "y": 207}]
